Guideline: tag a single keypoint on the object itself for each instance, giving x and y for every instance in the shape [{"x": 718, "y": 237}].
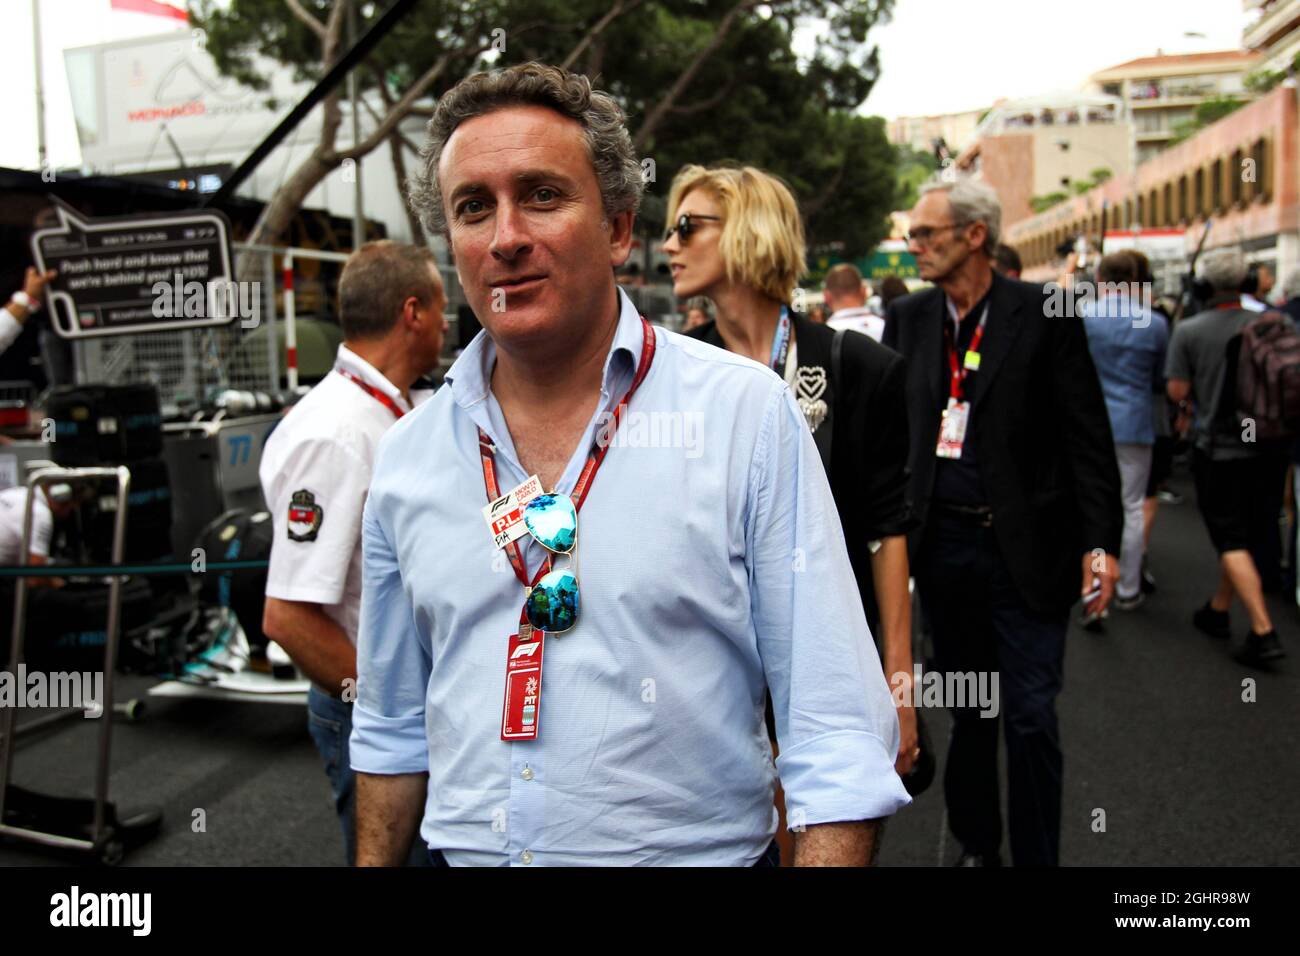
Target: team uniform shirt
[
  {"x": 13, "y": 501},
  {"x": 858, "y": 320},
  {"x": 315, "y": 472}
]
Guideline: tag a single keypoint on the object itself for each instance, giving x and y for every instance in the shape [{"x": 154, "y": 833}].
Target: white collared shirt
[
  {"x": 859, "y": 319},
  {"x": 315, "y": 473},
  {"x": 13, "y": 505},
  {"x": 10, "y": 329}
]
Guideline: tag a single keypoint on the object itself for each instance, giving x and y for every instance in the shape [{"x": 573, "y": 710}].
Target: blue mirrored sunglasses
[{"x": 552, "y": 604}]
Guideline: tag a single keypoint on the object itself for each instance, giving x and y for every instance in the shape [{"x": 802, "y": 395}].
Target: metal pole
[
  {"x": 272, "y": 353},
  {"x": 35, "y": 484},
  {"x": 358, "y": 210},
  {"x": 110, "y": 652},
  {"x": 290, "y": 324},
  {"x": 40, "y": 84}
]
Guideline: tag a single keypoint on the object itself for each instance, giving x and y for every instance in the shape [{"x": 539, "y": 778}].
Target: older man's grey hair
[
  {"x": 972, "y": 201},
  {"x": 1224, "y": 269},
  {"x": 703, "y": 303},
  {"x": 609, "y": 146}
]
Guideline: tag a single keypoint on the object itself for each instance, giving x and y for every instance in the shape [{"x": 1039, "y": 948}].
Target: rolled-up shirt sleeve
[
  {"x": 393, "y": 665},
  {"x": 835, "y": 719}
]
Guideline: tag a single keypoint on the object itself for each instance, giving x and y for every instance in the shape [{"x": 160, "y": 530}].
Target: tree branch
[
  {"x": 620, "y": 8},
  {"x": 312, "y": 24},
  {"x": 399, "y": 111},
  {"x": 705, "y": 104},
  {"x": 814, "y": 207},
  {"x": 660, "y": 110},
  {"x": 333, "y": 116}
]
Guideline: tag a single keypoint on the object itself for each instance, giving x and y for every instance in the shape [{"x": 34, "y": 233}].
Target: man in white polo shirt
[
  {"x": 315, "y": 472},
  {"x": 54, "y": 501},
  {"x": 847, "y": 300}
]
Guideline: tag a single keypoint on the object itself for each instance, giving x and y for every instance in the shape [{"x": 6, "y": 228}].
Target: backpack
[{"x": 1268, "y": 376}]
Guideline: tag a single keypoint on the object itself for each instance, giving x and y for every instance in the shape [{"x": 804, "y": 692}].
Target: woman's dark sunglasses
[{"x": 685, "y": 225}]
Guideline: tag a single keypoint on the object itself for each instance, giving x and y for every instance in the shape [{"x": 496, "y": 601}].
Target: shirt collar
[
  {"x": 469, "y": 378},
  {"x": 850, "y": 312},
  {"x": 978, "y": 309},
  {"x": 354, "y": 363}
]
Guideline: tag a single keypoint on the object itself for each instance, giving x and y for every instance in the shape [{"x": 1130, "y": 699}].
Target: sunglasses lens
[
  {"x": 552, "y": 606},
  {"x": 552, "y": 520}
]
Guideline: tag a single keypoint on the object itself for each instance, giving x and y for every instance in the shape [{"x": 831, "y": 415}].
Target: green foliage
[
  {"x": 752, "y": 100},
  {"x": 1206, "y": 114},
  {"x": 1043, "y": 203},
  {"x": 1101, "y": 174},
  {"x": 1264, "y": 81},
  {"x": 914, "y": 167}
]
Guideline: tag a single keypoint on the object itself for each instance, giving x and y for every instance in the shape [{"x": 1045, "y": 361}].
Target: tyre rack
[{"x": 90, "y": 827}]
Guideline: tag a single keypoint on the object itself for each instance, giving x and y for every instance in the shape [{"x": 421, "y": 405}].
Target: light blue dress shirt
[
  {"x": 712, "y": 566},
  {"x": 1128, "y": 343}
]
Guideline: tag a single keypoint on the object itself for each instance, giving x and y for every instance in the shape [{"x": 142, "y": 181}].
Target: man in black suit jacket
[{"x": 1018, "y": 502}]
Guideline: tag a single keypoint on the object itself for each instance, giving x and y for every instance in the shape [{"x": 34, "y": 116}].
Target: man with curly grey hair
[{"x": 713, "y": 564}]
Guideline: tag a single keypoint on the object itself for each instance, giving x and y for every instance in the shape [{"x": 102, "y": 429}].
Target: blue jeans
[{"x": 330, "y": 722}]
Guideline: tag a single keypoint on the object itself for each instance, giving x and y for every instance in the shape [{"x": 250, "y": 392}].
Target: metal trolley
[{"x": 88, "y": 826}]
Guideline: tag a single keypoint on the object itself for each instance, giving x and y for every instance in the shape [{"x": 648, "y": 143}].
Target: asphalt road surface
[{"x": 1155, "y": 731}]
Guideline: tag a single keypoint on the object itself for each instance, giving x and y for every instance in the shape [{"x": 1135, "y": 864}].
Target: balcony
[
  {"x": 1276, "y": 19},
  {"x": 1171, "y": 93}
]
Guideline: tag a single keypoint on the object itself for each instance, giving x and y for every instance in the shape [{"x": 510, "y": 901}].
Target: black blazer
[
  {"x": 867, "y": 427},
  {"x": 1046, "y": 455}
]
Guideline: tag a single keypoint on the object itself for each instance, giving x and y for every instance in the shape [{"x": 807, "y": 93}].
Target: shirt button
[
  {"x": 527, "y": 773},
  {"x": 526, "y": 857}
]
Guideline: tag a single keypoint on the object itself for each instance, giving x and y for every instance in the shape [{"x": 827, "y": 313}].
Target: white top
[
  {"x": 10, "y": 329},
  {"x": 12, "y": 503},
  {"x": 859, "y": 319},
  {"x": 1253, "y": 304},
  {"x": 315, "y": 472}
]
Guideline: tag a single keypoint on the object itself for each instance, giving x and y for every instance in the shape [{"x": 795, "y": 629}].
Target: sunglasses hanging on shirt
[{"x": 552, "y": 603}]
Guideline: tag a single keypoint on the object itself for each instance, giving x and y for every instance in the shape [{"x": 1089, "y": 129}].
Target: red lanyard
[
  {"x": 594, "y": 458},
  {"x": 373, "y": 392},
  {"x": 958, "y": 369}
]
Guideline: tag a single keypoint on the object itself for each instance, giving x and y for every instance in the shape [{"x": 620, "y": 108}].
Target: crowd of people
[{"x": 742, "y": 615}]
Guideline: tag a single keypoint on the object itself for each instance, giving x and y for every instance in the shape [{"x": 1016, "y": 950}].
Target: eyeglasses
[
  {"x": 686, "y": 224},
  {"x": 552, "y": 603},
  {"x": 924, "y": 234}
]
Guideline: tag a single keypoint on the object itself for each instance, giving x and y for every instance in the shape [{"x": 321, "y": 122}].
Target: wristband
[{"x": 26, "y": 301}]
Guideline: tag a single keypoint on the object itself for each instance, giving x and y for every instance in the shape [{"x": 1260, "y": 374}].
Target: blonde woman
[{"x": 734, "y": 236}]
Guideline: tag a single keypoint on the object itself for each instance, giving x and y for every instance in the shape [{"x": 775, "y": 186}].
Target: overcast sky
[
  {"x": 947, "y": 56},
  {"x": 938, "y": 56}
]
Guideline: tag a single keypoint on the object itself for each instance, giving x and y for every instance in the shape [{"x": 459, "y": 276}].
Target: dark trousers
[{"x": 980, "y": 624}]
